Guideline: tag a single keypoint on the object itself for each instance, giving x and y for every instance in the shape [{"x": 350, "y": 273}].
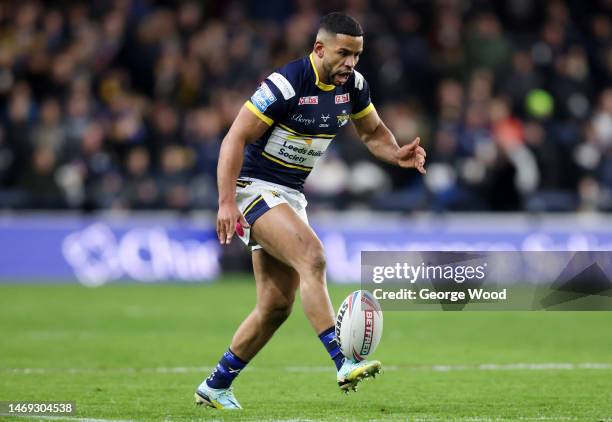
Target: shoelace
[{"x": 226, "y": 393}]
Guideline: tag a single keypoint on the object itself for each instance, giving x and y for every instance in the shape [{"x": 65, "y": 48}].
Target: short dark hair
[{"x": 341, "y": 23}]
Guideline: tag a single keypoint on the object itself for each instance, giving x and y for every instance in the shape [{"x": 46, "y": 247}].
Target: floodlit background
[
  {"x": 111, "y": 118},
  {"x": 121, "y": 105}
]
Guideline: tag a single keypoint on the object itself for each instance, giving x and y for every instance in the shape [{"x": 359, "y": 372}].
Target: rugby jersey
[{"x": 304, "y": 115}]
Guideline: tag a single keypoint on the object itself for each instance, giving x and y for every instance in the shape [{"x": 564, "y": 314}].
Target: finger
[
  {"x": 221, "y": 231},
  {"x": 406, "y": 151},
  {"x": 414, "y": 144},
  {"x": 230, "y": 227},
  {"x": 421, "y": 166},
  {"x": 421, "y": 151}
]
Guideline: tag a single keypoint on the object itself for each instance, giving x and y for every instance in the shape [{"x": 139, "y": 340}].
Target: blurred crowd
[{"x": 123, "y": 104}]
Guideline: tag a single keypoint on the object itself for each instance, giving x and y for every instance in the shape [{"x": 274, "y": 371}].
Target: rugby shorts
[{"x": 255, "y": 197}]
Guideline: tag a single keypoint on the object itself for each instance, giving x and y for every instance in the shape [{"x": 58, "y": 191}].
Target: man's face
[{"x": 341, "y": 54}]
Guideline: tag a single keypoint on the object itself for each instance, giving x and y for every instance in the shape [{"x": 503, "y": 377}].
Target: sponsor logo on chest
[
  {"x": 302, "y": 119},
  {"x": 314, "y": 99},
  {"x": 343, "y": 98}
]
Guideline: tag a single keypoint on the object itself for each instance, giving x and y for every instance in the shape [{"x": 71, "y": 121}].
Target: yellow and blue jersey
[{"x": 304, "y": 115}]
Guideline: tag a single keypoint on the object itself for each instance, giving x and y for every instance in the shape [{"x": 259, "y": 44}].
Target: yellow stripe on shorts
[{"x": 252, "y": 204}]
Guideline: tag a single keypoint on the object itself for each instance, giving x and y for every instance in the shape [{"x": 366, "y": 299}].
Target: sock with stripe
[
  {"x": 226, "y": 371},
  {"x": 328, "y": 338}
]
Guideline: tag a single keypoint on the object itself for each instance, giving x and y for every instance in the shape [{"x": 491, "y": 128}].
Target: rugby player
[{"x": 276, "y": 139}]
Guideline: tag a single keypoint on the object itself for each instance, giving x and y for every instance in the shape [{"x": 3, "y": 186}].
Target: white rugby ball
[{"x": 359, "y": 325}]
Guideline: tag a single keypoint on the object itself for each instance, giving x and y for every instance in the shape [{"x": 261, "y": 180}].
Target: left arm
[{"x": 382, "y": 144}]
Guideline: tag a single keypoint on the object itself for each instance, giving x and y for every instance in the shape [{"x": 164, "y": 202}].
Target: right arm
[{"x": 247, "y": 128}]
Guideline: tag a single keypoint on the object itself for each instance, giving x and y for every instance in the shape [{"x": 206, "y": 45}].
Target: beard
[
  {"x": 329, "y": 75},
  {"x": 338, "y": 77}
]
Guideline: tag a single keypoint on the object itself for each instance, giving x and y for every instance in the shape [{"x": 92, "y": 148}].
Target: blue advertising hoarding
[{"x": 96, "y": 250}]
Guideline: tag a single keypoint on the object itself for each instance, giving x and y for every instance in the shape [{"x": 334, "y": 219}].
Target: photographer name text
[{"x": 452, "y": 296}]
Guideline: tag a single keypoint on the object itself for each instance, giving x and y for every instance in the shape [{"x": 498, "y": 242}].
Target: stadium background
[{"x": 111, "y": 116}]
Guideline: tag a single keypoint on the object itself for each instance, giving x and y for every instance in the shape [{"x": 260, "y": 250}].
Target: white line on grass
[
  {"x": 175, "y": 370},
  {"x": 544, "y": 366},
  {"x": 79, "y": 419},
  {"x": 417, "y": 419},
  {"x": 521, "y": 367},
  {"x": 496, "y": 419},
  {"x": 474, "y": 367}
]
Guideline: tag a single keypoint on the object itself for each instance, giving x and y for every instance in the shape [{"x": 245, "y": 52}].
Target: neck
[{"x": 318, "y": 62}]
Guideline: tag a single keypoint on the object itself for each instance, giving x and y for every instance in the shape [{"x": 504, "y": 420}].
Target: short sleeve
[
  {"x": 362, "y": 105},
  {"x": 272, "y": 99}
]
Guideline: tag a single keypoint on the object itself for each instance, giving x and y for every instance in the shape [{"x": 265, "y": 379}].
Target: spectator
[{"x": 124, "y": 104}]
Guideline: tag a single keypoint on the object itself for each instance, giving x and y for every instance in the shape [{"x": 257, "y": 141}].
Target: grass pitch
[{"x": 134, "y": 352}]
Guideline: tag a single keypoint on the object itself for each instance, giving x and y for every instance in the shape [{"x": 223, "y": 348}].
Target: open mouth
[{"x": 343, "y": 76}]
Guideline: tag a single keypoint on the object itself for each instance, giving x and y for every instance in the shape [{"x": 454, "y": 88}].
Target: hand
[
  {"x": 412, "y": 155},
  {"x": 228, "y": 217}
]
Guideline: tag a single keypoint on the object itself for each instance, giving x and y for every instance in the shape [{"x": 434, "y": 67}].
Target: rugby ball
[{"x": 359, "y": 325}]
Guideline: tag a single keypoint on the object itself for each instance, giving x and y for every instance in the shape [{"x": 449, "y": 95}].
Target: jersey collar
[{"x": 318, "y": 83}]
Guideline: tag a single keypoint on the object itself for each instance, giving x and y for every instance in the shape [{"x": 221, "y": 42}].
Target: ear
[{"x": 319, "y": 48}]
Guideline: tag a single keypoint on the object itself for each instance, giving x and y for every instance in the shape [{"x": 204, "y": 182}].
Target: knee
[
  {"x": 275, "y": 314},
  {"x": 313, "y": 259}
]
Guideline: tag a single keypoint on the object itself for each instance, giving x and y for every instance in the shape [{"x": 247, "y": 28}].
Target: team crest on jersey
[
  {"x": 263, "y": 97},
  {"x": 314, "y": 99},
  {"x": 324, "y": 117},
  {"x": 342, "y": 118},
  {"x": 341, "y": 99}
]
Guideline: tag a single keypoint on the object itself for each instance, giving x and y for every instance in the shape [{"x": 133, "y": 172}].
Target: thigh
[
  {"x": 284, "y": 235},
  {"x": 276, "y": 282}
]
